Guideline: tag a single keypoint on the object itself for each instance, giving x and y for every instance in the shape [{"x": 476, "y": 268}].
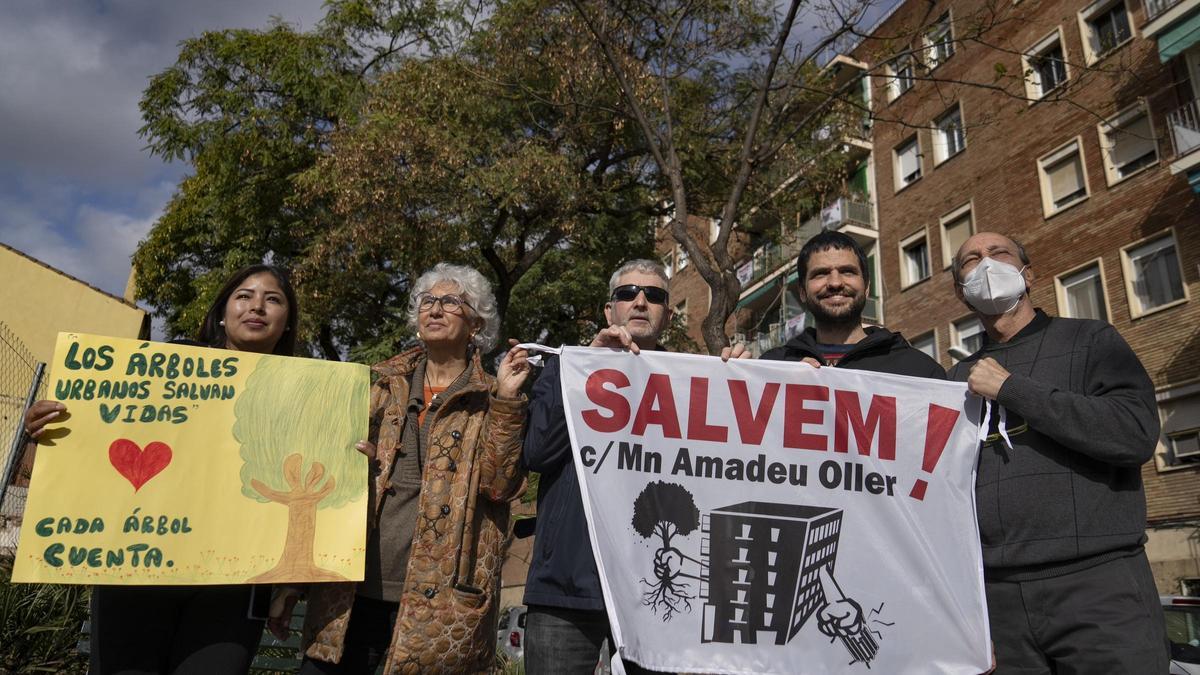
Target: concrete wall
[{"x": 37, "y": 301}]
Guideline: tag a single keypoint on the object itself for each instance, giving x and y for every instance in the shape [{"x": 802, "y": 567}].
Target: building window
[
  {"x": 681, "y": 258},
  {"x": 1179, "y": 411},
  {"x": 939, "y": 42},
  {"x": 681, "y": 313},
  {"x": 907, "y": 161},
  {"x": 1081, "y": 293},
  {"x": 1063, "y": 178},
  {"x": 1190, "y": 588},
  {"x": 967, "y": 334},
  {"x": 1128, "y": 144},
  {"x": 927, "y": 343},
  {"x": 900, "y": 74},
  {"x": 914, "y": 259},
  {"x": 1045, "y": 66},
  {"x": 1184, "y": 446},
  {"x": 1104, "y": 26},
  {"x": 949, "y": 137},
  {"x": 957, "y": 226},
  {"x": 668, "y": 263},
  {"x": 1153, "y": 277}
]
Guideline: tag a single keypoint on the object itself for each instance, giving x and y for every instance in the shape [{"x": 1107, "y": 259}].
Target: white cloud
[{"x": 77, "y": 189}]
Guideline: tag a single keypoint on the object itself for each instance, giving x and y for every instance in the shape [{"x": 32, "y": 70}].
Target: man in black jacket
[
  {"x": 1058, "y": 494},
  {"x": 566, "y": 623},
  {"x": 834, "y": 278}
]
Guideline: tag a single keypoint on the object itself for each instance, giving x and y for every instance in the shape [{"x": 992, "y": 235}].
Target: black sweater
[
  {"x": 1082, "y": 420},
  {"x": 881, "y": 351}
]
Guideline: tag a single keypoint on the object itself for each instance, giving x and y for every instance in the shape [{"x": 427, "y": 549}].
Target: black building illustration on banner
[{"x": 762, "y": 581}]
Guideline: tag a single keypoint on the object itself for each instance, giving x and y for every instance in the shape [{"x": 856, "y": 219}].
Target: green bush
[{"x": 39, "y": 626}]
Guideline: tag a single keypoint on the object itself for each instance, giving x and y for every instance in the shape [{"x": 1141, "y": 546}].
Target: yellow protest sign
[{"x": 187, "y": 465}]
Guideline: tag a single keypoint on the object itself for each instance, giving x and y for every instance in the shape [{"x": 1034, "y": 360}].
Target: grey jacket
[{"x": 1082, "y": 420}]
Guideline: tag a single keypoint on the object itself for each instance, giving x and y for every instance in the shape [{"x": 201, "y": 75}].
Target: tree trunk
[{"x": 296, "y": 563}]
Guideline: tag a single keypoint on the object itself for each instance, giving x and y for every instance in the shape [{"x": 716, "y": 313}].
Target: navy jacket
[{"x": 562, "y": 572}]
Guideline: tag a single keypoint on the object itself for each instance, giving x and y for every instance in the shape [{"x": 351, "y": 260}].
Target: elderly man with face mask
[{"x": 1062, "y": 513}]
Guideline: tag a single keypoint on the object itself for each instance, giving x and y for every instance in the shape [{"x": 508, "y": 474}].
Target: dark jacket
[
  {"x": 562, "y": 571},
  {"x": 1082, "y": 419},
  {"x": 881, "y": 351}
]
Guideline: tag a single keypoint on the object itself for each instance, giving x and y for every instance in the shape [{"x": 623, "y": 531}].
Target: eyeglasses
[
  {"x": 629, "y": 293},
  {"x": 451, "y": 303}
]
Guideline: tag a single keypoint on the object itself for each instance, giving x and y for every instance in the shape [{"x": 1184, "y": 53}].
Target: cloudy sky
[{"x": 77, "y": 189}]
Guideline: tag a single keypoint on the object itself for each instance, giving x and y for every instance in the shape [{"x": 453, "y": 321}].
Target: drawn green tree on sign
[{"x": 297, "y": 422}]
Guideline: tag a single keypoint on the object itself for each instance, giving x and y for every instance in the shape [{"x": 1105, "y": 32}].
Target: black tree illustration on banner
[{"x": 665, "y": 510}]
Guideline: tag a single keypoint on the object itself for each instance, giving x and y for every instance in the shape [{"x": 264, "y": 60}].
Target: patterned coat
[{"x": 448, "y": 611}]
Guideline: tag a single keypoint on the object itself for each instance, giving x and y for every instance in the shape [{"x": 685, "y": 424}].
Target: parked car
[
  {"x": 1183, "y": 630},
  {"x": 510, "y": 635}
]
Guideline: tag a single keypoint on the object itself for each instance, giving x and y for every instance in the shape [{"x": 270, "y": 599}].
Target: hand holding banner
[{"x": 763, "y": 517}]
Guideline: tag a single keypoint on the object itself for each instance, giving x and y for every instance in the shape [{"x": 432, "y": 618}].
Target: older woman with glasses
[{"x": 448, "y": 444}]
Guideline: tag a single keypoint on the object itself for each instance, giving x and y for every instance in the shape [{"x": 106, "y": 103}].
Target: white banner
[{"x": 769, "y": 517}]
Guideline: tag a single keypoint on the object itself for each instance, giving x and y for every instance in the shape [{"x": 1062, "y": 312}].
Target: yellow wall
[{"x": 36, "y": 302}]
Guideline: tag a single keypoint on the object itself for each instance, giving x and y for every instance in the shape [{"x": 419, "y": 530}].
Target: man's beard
[{"x": 850, "y": 315}]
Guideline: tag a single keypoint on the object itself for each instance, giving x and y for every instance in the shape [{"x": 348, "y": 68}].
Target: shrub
[{"x": 39, "y": 626}]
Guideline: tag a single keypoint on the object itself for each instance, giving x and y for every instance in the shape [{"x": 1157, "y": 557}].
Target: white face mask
[{"x": 994, "y": 287}]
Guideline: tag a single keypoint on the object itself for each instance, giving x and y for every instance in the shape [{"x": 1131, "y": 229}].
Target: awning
[
  {"x": 1194, "y": 180},
  {"x": 772, "y": 287},
  {"x": 1173, "y": 41}
]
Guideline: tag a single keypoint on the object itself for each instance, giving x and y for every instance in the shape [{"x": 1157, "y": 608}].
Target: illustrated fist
[
  {"x": 840, "y": 618},
  {"x": 668, "y": 562}
]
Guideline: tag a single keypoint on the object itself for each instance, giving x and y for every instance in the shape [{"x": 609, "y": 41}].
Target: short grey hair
[
  {"x": 640, "y": 265},
  {"x": 956, "y": 264},
  {"x": 474, "y": 287}
]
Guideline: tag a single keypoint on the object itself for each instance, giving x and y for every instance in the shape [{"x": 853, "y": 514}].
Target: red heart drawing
[{"x": 137, "y": 465}]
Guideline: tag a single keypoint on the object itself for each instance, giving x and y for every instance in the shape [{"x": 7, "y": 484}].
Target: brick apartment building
[{"x": 1089, "y": 160}]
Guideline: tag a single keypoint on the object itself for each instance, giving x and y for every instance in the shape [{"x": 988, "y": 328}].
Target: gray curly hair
[{"x": 474, "y": 287}]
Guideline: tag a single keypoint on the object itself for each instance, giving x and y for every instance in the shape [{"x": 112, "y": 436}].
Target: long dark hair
[{"x": 212, "y": 333}]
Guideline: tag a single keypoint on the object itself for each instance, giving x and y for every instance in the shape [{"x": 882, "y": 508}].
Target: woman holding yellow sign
[
  {"x": 192, "y": 629},
  {"x": 449, "y": 439}
]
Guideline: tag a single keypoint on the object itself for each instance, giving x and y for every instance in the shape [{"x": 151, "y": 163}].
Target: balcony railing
[
  {"x": 1184, "y": 123},
  {"x": 1156, "y": 7},
  {"x": 846, "y": 211}
]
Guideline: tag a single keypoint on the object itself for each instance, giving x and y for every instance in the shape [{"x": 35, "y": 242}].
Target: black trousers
[
  {"x": 145, "y": 630},
  {"x": 1103, "y": 619},
  {"x": 562, "y": 641}
]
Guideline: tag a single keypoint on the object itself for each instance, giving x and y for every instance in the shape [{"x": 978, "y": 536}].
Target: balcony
[
  {"x": 1172, "y": 24},
  {"x": 852, "y": 217},
  {"x": 1154, "y": 8},
  {"x": 1184, "y": 123}
]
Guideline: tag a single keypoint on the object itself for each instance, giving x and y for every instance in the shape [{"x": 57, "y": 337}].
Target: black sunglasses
[{"x": 629, "y": 293}]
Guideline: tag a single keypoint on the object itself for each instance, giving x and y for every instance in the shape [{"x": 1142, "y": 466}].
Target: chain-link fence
[{"x": 21, "y": 381}]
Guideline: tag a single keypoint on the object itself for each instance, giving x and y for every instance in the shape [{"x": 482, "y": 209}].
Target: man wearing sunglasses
[
  {"x": 566, "y": 624},
  {"x": 1058, "y": 490}
]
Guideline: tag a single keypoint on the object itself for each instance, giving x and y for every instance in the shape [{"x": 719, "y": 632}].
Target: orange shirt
[{"x": 430, "y": 392}]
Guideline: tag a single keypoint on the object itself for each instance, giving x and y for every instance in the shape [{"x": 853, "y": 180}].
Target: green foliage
[
  {"x": 294, "y": 403},
  {"x": 250, "y": 110},
  {"x": 40, "y": 626},
  {"x": 396, "y": 134},
  {"x": 503, "y": 155}
]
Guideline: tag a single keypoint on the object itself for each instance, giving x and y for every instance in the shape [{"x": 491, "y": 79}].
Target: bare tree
[{"x": 742, "y": 121}]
